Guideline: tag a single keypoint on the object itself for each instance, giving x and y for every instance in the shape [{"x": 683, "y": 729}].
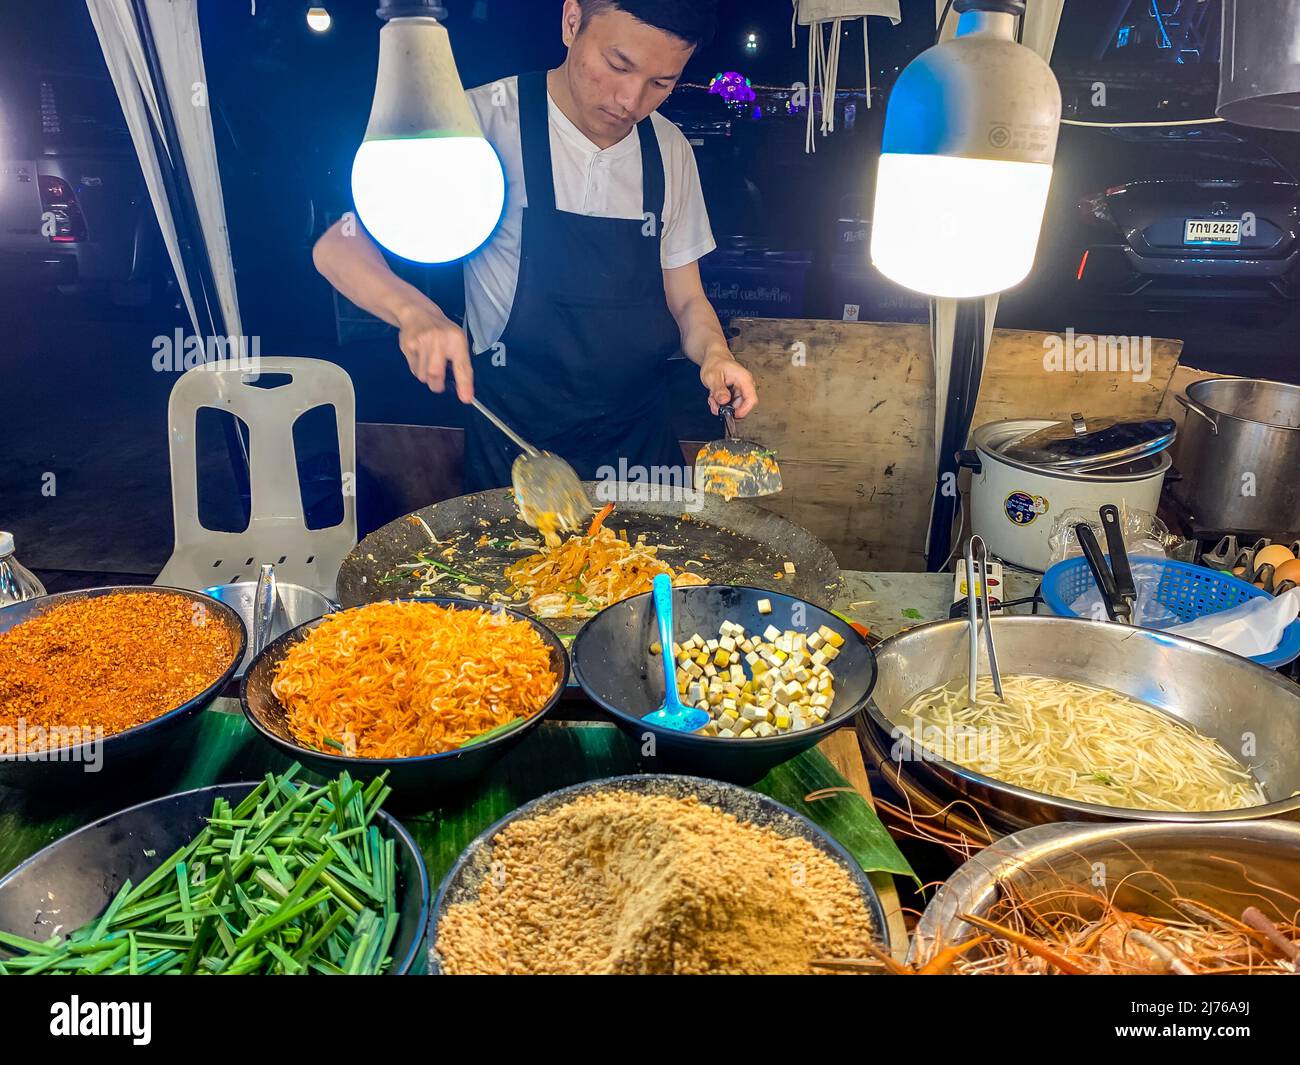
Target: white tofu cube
[
  {"x": 771, "y": 633},
  {"x": 765, "y": 606}
]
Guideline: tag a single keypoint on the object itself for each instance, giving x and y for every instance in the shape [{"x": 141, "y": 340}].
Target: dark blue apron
[{"x": 581, "y": 369}]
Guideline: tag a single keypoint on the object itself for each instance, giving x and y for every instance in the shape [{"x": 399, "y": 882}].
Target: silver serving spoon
[{"x": 548, "y": 492}]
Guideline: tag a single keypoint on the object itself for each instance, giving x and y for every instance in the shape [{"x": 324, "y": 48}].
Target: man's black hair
[{"x": 694, "y": 21}]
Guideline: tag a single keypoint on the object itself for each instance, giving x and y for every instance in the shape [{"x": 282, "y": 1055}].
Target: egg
[
  {"x": 1272, "y": 555},
  {"x": 1287, "y": 571}
]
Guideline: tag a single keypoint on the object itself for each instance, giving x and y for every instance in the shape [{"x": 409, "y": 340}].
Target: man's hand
[
  {"x": 431, "y": 342},
  {"x": 728, "y": 382}
]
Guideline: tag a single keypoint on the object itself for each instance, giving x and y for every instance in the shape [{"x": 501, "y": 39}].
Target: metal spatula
[
  {"x": 734, "y": 468},
  {"x": 548, "y": 492}
]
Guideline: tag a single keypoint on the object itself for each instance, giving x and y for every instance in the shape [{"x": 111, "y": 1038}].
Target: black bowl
[
  {"x": 464, "y": 879},
  {"x": 408, "y": 777},
  {"x": 612, "y": 661},
  {"x": 64, "y": 769},
  {"x": 80, "y": 874}
]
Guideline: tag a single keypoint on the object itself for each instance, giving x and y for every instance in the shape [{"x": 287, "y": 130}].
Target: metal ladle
[
  {"x": 544, "y": 484},
  {"x": 977, "y": 543}
]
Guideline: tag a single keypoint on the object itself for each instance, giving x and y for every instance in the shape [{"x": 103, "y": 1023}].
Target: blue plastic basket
[{"x": 1189, "y": 591}]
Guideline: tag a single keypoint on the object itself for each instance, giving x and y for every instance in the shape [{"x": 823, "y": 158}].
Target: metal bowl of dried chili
[{"x": 93, "y": 681}]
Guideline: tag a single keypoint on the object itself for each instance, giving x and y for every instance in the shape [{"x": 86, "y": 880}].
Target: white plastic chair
[{"x": 277, "y": 530}]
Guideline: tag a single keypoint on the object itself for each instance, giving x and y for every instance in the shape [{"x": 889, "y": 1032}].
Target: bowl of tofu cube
[{"x": 774, "y": 673}]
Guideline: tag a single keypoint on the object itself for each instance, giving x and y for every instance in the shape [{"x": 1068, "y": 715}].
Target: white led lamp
[
  {"x": 966, "y": 161},
  {"x": 426, "y": 183}
]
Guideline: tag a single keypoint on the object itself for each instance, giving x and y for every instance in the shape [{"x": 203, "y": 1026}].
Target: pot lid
[{"x": 1079, "y": 447}]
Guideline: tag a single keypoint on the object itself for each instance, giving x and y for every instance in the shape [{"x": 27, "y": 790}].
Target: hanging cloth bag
[{"x": 824, "y": 58}]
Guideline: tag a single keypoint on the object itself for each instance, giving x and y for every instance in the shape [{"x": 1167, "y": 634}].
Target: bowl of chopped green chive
[{"x": 275, "y": 877}]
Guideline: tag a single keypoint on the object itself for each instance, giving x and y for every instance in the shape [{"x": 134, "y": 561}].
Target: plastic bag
[
  {"x": 1144, "y": 533},
  {"x": 1254, "y": 628}
]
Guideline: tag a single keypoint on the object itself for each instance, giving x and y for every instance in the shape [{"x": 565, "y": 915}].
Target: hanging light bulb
[
  {"x": 426, "y": 183},
  {"x": 966, "y": 160},
  {"x": 318, "y": 19}
]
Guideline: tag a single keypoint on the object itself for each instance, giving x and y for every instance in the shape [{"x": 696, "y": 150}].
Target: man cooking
[{"x": 591, "y": 281}]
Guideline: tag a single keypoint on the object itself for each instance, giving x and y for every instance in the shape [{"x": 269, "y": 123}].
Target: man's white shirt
[{"x": 588, "y": 181}]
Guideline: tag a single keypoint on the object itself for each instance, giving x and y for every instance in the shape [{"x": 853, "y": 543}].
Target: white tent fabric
[
  {"x": 824, "y": 59},
  {"x": 175, "y": 30},
  {"x": 124, "y": 56}
]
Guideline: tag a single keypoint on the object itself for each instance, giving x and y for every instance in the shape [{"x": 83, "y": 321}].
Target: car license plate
[{"x": 1212, "y": 231}]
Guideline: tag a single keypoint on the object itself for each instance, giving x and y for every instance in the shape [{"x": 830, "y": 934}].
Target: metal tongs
[
  {"x": 1115, "y": 582},
  {"x": 266, "y": 600},
  {"x": 973, "y": 548}
]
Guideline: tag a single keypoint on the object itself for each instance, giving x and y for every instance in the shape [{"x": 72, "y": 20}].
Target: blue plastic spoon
[{"x": 672, "y": 714}]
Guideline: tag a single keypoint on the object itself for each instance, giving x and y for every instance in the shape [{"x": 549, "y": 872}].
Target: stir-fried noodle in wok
[{"x": 585, "y": 574}]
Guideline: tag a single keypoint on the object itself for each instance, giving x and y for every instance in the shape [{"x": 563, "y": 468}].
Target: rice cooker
[{"x": 1025, "y": 471}]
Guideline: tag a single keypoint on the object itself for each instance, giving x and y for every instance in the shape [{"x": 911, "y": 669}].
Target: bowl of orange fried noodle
[{"x": 431, "y": 690}]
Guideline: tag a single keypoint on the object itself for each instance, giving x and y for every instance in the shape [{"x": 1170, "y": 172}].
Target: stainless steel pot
[
  {"x": 1208, "y": 863},
  {"x": 1238, "y": 452},
  {"x": 288, "y": 607},
  {"x": 1224, "y": 696}
]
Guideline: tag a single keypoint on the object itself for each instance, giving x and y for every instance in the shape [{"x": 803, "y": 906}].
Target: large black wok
[{"x": 724, "y": 542}]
